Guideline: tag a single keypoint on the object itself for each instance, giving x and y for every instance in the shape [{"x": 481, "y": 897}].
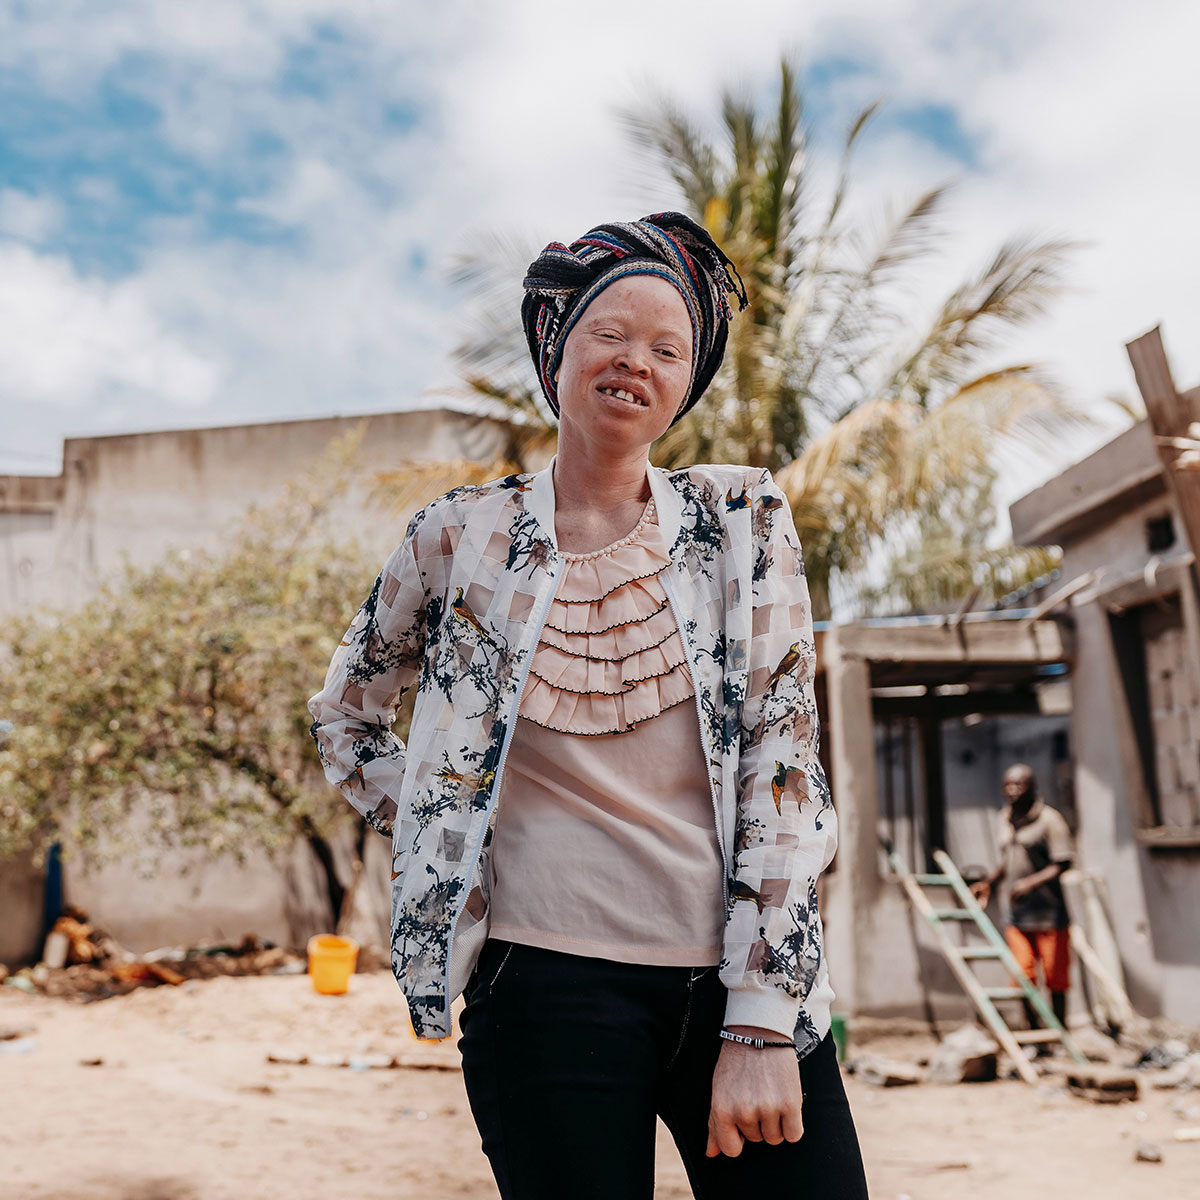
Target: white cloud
[
  {"x": 27, "y": 217},
  {"x": 67, "y": 338},
  {"x": 1081, "y": 116}
]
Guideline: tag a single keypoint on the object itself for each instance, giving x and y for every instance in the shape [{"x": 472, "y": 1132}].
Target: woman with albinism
[{"x": 609, "y": 818}]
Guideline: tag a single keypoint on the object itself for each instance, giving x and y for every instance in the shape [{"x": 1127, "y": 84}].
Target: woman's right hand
[{"x": 756, "y": 1096}]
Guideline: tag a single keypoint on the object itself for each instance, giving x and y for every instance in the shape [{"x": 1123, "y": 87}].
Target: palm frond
[
  {"x": 779, "y": 211},
  {"x": 1016, "y": 286},
  {"x": 861, "y": 319},
  {"x": 667, "y": 138},
  {"x": 934, "y": 575}
]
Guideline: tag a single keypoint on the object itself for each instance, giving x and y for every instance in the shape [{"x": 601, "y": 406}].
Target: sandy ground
[{"x": 182, "y": 1104}]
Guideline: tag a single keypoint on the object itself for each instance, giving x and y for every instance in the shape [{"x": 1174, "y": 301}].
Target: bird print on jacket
[{"x": 787, "y": 779}]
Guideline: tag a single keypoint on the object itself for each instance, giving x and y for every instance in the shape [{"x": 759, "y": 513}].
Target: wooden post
[
  {"x": 853, "y": 888},
  {"x": 1170, "y": 415},
  {"x": 935, "y": 787}
]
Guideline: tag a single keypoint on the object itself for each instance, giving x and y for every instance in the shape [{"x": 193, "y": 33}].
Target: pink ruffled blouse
[
  {"x": 606, "y": 818},
  {"x": 610, "y": 655}
]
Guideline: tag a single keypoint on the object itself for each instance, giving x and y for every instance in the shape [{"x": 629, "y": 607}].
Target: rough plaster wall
[
  {"x": 1154, "y": 894},
  {"x": 1120, "y": 547},
  {"x": 903, "y": 971},
  {"x": 21, "y": 886},
  {"x": 1174, "y": 688},
  {"x": 134, "y": 497}
]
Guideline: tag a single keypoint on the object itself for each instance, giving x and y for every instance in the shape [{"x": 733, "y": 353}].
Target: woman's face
[{"x": 626, "y": 366}]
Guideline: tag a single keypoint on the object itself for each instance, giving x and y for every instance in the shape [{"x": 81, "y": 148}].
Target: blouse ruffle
[{"x": 610, "y": 654}]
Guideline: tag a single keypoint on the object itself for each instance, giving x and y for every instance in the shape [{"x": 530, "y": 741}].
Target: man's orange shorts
[{"x": 1050, "y": 947}]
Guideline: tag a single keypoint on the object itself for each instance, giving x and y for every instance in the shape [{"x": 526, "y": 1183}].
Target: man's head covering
[{"x": 563, "y": 280}]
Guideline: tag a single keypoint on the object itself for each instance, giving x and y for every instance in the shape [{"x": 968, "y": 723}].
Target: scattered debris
[
  {"x": 1102, "y": 1084},
  {"x": 367, "y": 1062},
  {"x": 886, "y": 1072},
  {"x": 370, "y": 1062},
  {"x": 1148, "y": 1152},
  {"x": 1094, "y": 1045},
  {"x": 147, "y": 972},
  {"x": 1184, "y": 1074},
  {"x": 97, "y": 966},
  {"x": 327, "y": 1060},
  {"x": 1164, "y": 1054},
  {"x": 1187, "y": 1135},
  {"x": 54, "y": 953},
  {"x": 968, "y": 1055},
  {"x": 10, "y": 1033},
  {"x": 91, "y": 1062},
  {"x": 24, "y": 1045},
  {"x": 290, "y": 1058}
]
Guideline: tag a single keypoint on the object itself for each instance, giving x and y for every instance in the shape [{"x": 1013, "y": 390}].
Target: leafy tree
[
  {"x": 877, "y": 429},
  {"x": 177, "y": 694}
]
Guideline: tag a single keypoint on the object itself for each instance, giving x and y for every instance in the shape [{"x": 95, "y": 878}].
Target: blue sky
[{"x": 247, "y": 210}]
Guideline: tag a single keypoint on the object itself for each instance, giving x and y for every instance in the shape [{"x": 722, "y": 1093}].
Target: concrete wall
[
  {"x": 1153, "y": 891},
  {"x": 133, "y": 497},
  {"x": 21, "y": 889},
  {"x": 883, "y": 958}
]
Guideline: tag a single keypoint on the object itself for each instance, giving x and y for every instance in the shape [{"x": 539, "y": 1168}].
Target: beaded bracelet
[{"x": 757, "y": 1043}]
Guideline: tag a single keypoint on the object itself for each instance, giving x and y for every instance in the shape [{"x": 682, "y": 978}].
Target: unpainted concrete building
[
  {"x": 1098, "y": 688},
  {"x": 133, "y": 497},
  {"x": 1136, "y": 721}
]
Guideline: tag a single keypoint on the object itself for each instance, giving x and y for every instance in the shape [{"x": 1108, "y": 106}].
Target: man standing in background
[{"x": 1035, "y": 849}]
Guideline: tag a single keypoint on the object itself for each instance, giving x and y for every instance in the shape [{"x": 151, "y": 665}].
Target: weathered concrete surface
[
  {"x": 133, "y": 497},
  {"x": 1104, "y": 512}
]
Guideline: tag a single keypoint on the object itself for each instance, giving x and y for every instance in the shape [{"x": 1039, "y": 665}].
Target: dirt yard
[{"x": 167, "y": 1094}]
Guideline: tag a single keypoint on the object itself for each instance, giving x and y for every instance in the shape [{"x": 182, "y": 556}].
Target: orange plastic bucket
[{"x": 331, "y": 962}]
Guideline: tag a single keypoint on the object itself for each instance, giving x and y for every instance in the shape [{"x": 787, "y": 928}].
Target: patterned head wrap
[{"x": 563, "y": 280}]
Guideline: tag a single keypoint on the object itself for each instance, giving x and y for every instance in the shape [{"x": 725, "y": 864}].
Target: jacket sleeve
[
  {"x": 785, "y": 832},
  {"x": 375, "y": 663}
]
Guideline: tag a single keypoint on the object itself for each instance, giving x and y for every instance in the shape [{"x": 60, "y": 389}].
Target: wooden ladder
[{"x": 993, "y": 947}]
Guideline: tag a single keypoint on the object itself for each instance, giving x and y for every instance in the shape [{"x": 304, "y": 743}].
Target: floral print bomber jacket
[{"x": 456, "y": 613}]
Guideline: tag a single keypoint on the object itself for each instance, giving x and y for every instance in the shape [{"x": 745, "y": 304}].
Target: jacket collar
[{"x": 667, "y": 502}]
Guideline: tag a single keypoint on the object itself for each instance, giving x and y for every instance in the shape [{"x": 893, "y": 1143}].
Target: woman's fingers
[
  {"x": 750, "y": 1127},
  {"x": 771, "y": 1127},
  {"x": 723, "y": 1136},
  {"x": 792, "y": 1124}
]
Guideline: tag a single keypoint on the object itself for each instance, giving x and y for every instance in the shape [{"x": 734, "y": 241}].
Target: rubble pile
[{"x": 82, "y": 962}]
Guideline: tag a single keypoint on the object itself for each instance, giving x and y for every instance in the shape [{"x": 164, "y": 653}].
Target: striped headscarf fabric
[{"x": 563, "y": 280}]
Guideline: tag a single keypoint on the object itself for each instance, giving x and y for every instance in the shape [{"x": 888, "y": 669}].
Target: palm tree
[{"x": 882, "y": 435}]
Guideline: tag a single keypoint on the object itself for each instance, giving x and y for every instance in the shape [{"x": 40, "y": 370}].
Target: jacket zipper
[
  {"x": 494, "y": 799},
  {"x": 669, "y": 588}
]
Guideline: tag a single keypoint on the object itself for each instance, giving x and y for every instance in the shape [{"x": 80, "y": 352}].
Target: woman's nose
[{"x": 634, "y": 359}]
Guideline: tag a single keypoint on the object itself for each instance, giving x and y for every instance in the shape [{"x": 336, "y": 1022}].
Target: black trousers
[{"x": 568, "y": 1061}]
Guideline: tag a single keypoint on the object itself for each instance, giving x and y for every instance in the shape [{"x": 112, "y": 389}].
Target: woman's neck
[
  {"x": 597, "y": 501},
  {"x": 585, "y": 483}
]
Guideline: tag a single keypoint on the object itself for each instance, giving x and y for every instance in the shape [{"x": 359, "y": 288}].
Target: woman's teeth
[{"x": 621, "y": 394}]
